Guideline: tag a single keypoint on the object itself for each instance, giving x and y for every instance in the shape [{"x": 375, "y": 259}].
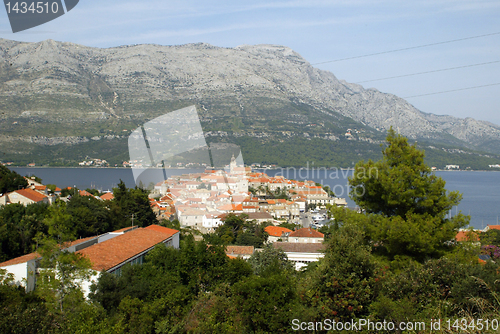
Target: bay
[{"x": 480, "y": 189}]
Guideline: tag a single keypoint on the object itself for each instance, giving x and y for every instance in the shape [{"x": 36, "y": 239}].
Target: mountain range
[{"x": 62, "y": 102}]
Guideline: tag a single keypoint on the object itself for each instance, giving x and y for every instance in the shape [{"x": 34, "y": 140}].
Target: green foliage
[
  {"x": 128, "y": 203},
  {"x": 61, "y": 273},
  {"x": 18, "y": 227},
  {"x": 289, "y": 226},
  {"x": 491, "y": 237},
  {"x": 343, "y": 285},
  {"x": 89, "y": 216},
  {"x": 94, "y": 192},
  {"x": 406, "y": 204},
  {"x": 265, "y": 304},
  {"x": 400, "y": 183},
  {"x": 270, "y": 261},
  {"x": 51, "y": 188},
  {"x": 25, "y": 313},
  {"x": 10, "y": 180},
  {"x": 237, "y": 231}
]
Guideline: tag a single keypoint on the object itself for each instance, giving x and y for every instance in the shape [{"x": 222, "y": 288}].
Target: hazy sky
[{"x": 321, "y": 31}]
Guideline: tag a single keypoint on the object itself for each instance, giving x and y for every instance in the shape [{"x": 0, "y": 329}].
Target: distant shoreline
[{"x": 303, "y": 168}]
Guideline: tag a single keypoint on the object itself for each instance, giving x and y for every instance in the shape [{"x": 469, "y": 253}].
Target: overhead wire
[
  {"x": 427, "y": 72},
  {"x": 408, "y": 48},
  {"x": 452, "y": 90}
]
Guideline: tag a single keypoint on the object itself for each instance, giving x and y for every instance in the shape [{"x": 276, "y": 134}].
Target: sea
[{"x": 480, "y": 189}]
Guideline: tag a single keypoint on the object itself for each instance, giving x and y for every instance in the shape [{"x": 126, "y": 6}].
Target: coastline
[{"x": 278, "y": 168}]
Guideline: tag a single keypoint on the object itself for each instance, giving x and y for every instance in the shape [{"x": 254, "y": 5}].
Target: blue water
[{"x": 480, "y": 190}]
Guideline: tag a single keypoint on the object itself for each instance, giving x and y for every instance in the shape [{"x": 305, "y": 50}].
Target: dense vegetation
[
  {"x": 83, "y": 216},
  {"x": 396, "y": 261},
  {"x": 10, "y": 180},
  {"x": 284, "y": 151}
]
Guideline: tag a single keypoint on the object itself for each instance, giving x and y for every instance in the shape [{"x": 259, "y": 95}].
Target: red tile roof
[
  {"x": 118, "y": 250},
  {"x": 231, "y": 207},
  {"x": 306, "y": 233},
  {"x": 467, "y": 236},
  {"x": 494, "y": 227},
  {"x": 20, "y": 259},
  {"x": 239, "y": 250},
  {"x": 107, "y": 196},
  {"x": 31, "y": 194},
  {"x": 298, "y": 247},
  {"x": 34, "y": 255},
  {"x": 168, "y": 231},
  {"x": 277, "y": 231},
  {"x": 85, "y": 193}
]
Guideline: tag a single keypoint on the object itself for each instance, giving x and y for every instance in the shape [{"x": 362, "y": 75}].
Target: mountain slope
[{"x": 57, "y": 93}]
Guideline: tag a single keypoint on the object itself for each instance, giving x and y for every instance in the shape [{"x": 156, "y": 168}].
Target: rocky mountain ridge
[{"x": 63, "y": 90}]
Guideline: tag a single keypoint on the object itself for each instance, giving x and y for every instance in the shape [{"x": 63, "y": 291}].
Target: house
[
  {"x": 211, "y": 221},
  {"x": 190, "y": 217},
  {"x": 108, "y": 252},
  {"x": 24, "y": 197},
  {"x": 107, "y": 196},
  {"x": 491, "y": 227},
  {"x": 259, "y": 217},
  {"x": 467, "y": 235},
  {"x": 306, "y": 235},
  {"x": 128, "y": 245},
  {"x": 314, "y": 195},
  {"x": 301, "y": 253},
  {"x": 243, "y": 252},
  {"x": 24, "y": 267},
  {"x": 277, "y": 233}
]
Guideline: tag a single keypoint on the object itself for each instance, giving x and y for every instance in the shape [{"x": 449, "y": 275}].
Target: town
[{"x": 199, "y": 202}]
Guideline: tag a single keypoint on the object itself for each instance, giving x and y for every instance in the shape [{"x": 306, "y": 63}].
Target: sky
[{"x": 455, "y": 42}]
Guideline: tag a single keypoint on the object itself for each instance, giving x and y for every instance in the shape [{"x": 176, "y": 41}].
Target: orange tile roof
[
  {"x": 40, "y": 187},
  {"x": 231, "y": 207},
  {"x": 125, "y": 229},
  {"x": 20, "y": 259},
  {"x": 306, "y": 233},
  {"x": 277, "y": 231},
  {"x": 34, "y": 255},
  {"x": 85, "y": 193},
  {"x": 107, "y": 196},
  {"x": 118, "y": 250},
  {"x": 494, "y": 227},
  {"x": 239, "y": 250},
  {"x": 299, "y": 247},
  {"x": 31, "y": 194},
  {"x": 168, "y": 231},
  {"x": 467, "y": 236}
]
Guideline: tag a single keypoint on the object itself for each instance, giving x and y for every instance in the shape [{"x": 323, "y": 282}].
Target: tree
[
  {"x": 237, "y": 231},
  {"x": 406, "y": 204},
  {"x": 270, "y": 261},
  {"x": 400, "y": 183},
  {"x": 89, "y": 215},
  {"x": 130, "y": 203},
  {"x": 61, "y": 272},
  {"x": 491, "y": 237},
  {"x": 10, "y": 180},
  {"x": 341, "y": 287}
]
